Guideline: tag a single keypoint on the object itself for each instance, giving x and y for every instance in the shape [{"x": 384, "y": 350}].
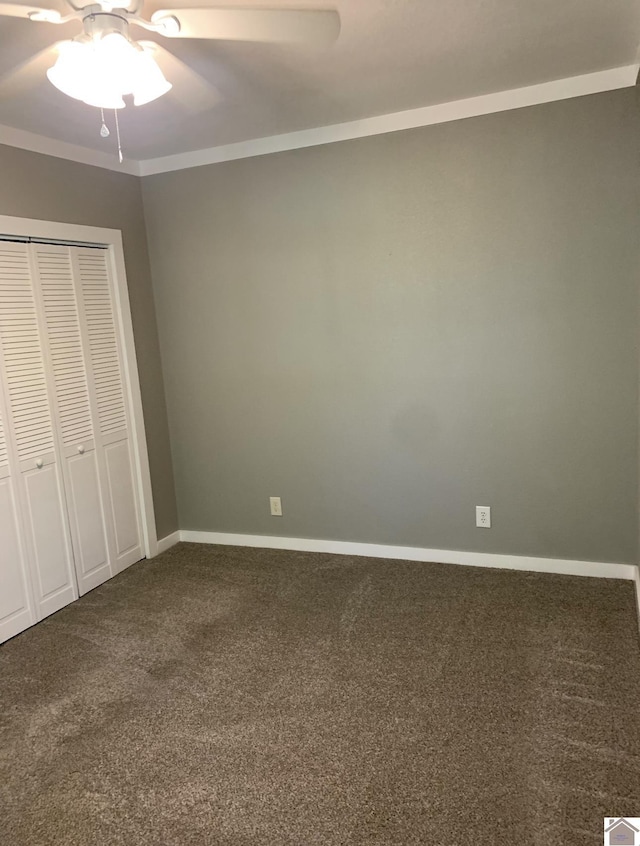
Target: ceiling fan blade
[
  {"x": 192, "y": 90},
  {"x": 29, "y": 74},
  {"x": 36, "y": 13},
  {"x": 271, "y": 25}
]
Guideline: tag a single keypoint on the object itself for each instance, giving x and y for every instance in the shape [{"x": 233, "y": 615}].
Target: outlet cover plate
[
  {"x": 483, "y": 516},
  {"x": 276, "y": 506}
]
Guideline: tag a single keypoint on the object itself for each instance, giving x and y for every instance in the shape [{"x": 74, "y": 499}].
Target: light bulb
[{"x": 101, "y": 70}]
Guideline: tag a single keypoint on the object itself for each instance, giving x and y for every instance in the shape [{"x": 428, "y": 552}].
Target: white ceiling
[{"x": 391, "y": 55}]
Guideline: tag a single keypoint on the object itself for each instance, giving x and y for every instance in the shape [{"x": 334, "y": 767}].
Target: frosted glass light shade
[
  {"x": 100, "y": 71},
  {"x": 150, "y": 81}
]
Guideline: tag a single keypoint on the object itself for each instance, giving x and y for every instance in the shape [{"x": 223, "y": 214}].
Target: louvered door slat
[
  {"x": 65, "y": 343},
  {"x": 4, "y": 452},
  {"x": 22, "y": 351},
  {"x": 103, "y": 343}
]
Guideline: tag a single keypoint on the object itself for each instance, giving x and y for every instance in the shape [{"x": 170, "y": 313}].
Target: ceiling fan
[{"x": 104, "y": 63}]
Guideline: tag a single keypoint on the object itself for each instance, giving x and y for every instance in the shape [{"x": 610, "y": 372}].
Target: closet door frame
[{"x": 111, "y": 240}]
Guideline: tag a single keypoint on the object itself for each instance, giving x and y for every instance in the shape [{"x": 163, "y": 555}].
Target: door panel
[
  {"x": 51, "y": 553},
  {"x": 123, "y": 505},
  {"x": 16, "y": 612},
  {"x": 16, "y": 604},
  {"x": 74, "y": 412},
  {"x": 86, "y": 510},
  {"x": 107, "y": 378},
  {"x": 30, "y": 425}
]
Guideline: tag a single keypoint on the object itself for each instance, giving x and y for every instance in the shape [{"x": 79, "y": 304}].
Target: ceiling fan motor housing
[{"x": 98, "y": 23}]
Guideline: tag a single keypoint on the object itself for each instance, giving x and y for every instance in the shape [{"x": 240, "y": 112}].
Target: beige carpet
[{"x": 238, "y": 697}]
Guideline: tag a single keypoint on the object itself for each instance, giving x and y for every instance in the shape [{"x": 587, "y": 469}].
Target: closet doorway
[{"x": 75, "y": 489}]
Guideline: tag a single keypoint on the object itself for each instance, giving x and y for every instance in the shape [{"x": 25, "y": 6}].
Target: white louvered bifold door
[
  {"x": 74, "y": 415},
  {"x": 16, "y": 608},
  {"x": 112, "y": 429},
  {"x": 29, "y": 428}
]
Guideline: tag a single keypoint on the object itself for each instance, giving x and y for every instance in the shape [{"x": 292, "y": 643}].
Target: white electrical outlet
[
  {"x": 276, "y": 506},
  {"x": 483, "y": 516}
]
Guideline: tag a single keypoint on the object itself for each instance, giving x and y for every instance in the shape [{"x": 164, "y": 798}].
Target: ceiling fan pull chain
[
  {"x": 120, "y": 157},
  {"x": 104, "y": 129}
]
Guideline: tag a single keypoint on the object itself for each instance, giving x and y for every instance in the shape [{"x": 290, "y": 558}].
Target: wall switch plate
[
  {"x": 276, "y": 506},
  {"x": 483, "y": 516}
]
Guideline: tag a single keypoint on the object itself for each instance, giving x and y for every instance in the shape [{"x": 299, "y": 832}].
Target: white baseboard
[
  {"x": 167, "y": 542},
  {"x": 636, "y": 578},
  {"x": 604, "y": 570}
]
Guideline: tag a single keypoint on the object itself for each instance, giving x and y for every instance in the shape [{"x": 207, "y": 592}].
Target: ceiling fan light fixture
[
  {"x": 150, "y": 82},
  {"x": 105, "y": 98},
  {"x": 99, "y": 71},
  {"x": 65, "y": 73},
  {"x": 79, "y": 73}
]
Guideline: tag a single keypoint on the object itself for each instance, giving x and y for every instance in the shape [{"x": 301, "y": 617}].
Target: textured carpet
[{"x": 255, "y": 698}]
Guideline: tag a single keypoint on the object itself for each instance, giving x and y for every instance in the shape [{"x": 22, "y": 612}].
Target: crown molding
[
  {"x": 35, "y": 143},
  {"x": 517, "y": 98},
  {"x": 501, "y": 101}
]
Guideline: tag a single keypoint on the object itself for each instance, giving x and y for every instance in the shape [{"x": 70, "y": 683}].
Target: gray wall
[
  {"x": 46, "y": 188},
  {"x": 386, "y": 332}
]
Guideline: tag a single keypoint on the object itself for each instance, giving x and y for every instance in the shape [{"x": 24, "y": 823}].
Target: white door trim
[{"x": 23, "y": 227}]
